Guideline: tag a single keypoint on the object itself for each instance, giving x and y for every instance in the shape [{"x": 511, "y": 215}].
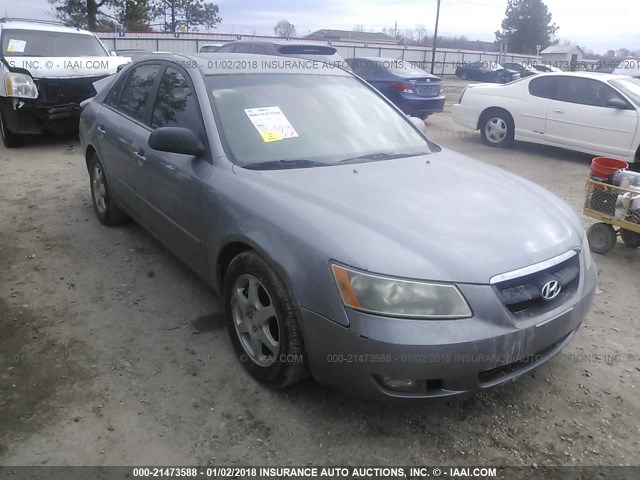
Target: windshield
[
  {"x": 34, "y": 43},
  {"x": 295, "y": 120},
  {"x": 630, "y": 87}
]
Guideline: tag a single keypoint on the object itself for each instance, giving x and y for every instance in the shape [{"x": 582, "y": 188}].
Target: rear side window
[
  {"x": 260, "y": 50},
  {"x": 243, "y": 48},
  {"x": 135, "y": 91},
  {"x": 544, "y": 87},
  {"x": 226, "y": 48},
  {"x": 176, "y": 104}
]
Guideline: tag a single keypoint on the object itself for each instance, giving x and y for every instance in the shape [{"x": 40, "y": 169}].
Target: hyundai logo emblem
[{"x": 551, "y": 290}]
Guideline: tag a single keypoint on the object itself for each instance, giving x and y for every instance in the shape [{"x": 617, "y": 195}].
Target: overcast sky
[{"x": 584, "y": 22}]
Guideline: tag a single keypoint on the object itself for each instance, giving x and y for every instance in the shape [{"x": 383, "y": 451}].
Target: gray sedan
[{"x": 345, "y": 244}]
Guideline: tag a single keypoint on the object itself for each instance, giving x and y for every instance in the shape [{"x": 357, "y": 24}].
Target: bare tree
[
  {"x": 284, "y": 28},
  {"x": 358, "y": 28},
  {"x": 421, "y": 33}
]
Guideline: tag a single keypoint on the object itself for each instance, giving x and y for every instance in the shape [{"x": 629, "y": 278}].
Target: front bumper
[{"x": 447, "y": 358}]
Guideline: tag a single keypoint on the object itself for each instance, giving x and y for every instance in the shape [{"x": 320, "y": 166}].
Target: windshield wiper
[
  {"x": 377, "y": 156},
  {"x": 277, "y": 164}
]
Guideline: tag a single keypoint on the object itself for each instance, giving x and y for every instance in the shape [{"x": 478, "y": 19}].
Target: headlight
[
  {"x": 399, "y": 298},
  {"x": 20, "y": 85},
  {"x": 588, "y": 260}
]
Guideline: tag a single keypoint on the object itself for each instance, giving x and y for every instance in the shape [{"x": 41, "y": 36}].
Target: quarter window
[
  {"x": 259, "y": 50},
  {"x": 176, "y": 105},
  {"x": 243, "y": 48},
  {"x": 544, "y": 87},
  {"x": 135, "y": 91}
]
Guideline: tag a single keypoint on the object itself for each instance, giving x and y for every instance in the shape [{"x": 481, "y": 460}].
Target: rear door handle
[
  {"x": 557, "y": 110},
  {"x": 140, "y": 156},
  {"x": 102, "y": 130}
]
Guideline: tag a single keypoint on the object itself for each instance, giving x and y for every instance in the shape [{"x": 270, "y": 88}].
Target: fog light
[{"x": 400, "y": 384}]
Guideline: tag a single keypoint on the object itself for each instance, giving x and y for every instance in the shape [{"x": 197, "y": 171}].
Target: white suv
[{"x": 46, "y": 70}]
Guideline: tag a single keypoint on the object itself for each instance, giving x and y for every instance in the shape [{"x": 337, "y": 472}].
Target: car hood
[
  {"x": 442, "y": 217},
  {"x": 67, "y": 67}
]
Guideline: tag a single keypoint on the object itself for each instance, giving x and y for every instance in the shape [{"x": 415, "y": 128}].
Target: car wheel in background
[
  {"x": 464, "y": 76},
  {"x": 106, "y": 210},
  {"x": 9, "y": 139},
  {"x": 263, "y": 322},
  {"x": 630, "y": 239},
  {"x": 497, "y": 128},
  {"x": 602, "y": 237}
]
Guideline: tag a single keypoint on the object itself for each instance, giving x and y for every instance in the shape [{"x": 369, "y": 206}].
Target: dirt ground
[{"x": 113, "y": 353}]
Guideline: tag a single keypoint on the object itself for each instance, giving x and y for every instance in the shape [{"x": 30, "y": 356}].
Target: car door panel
[
  {"x": 531, "y": 123},
  {"x": 119, "y": 124},
  {"x": 174, "y": 184},
  {"x": 578, "y": 118}
]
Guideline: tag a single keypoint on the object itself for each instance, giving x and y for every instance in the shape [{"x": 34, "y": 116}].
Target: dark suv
[{"x": 486, "y": 71}]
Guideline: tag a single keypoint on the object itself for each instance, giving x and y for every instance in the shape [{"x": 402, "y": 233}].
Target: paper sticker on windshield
[
  {"x": 16, "y": 46},
  {"x": 271, "y": 123}
]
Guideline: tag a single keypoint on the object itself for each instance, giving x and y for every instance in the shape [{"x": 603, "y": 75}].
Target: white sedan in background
[{"x": 594, "y": 113}]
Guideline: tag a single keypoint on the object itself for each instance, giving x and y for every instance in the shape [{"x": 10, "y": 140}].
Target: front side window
[
  {"x": 176, "y": 104},
  {"x": 585, "y": 91},
  {"x": 38, "y": 43},
  {"x": 136, "y": 90},
  {"x": 303, "y": 119}
]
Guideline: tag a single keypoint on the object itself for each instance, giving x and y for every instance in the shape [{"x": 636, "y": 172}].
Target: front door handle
[
  {"x": 557, "y": 110},
  {"x": 102, "y": 130},
  {"x": 140, "y": 156}
]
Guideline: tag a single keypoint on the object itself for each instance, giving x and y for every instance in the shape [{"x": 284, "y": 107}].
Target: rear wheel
[
  {"x": 602, "y": 238},
  {"x": 9, "y": 139},
  {"x": 464, "y": 76},
  {"x": 497, "y": 129},
  {"x": 103, "y": 203},
  {"x": 630, "y": 239},
  {"x": 263, "y": 322}
]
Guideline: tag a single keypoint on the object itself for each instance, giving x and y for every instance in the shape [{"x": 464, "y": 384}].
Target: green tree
[
  {"x": 527, "y": 23},
  {"x": 191, "y": 13},
  {"x": 284, "y": 28},
  {"x": 134, "y": 15},
  {"x": 83, "y": 13}
]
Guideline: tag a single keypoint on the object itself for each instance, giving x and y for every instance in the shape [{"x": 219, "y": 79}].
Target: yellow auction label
[{"x": 271, "y": 136}]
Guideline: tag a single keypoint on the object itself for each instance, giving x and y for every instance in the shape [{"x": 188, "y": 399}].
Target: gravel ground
[{"x": 113, "y": 353}]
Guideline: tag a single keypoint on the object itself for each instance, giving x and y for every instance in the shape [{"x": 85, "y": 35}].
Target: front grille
[
  {"x": 523, "y": 295},
  {"x": 428, "y": 90},
  {"x": 65, "y": 91}
]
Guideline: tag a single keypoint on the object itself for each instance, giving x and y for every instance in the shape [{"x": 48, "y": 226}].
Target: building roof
[
  {"x": 327, "y": 34},
  {"x": 562, "y": 49}
]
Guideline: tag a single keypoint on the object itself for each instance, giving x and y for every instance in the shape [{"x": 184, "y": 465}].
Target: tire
[
  {"x": 9, "y": 139},
  {"x": 263, "y": 322},
  {"x": 497, "y": 129},
  {"x": 630, "y": 239},
  {"x": 602, "y": 238},
  {"x": 464, "y": 76},
  {"x": 104, "y": 205}
]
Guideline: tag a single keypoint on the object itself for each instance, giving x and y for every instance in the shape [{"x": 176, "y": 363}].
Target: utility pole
[{"x": 435, "y": 39}]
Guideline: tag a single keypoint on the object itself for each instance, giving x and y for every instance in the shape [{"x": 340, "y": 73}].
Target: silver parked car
[{"x": 344, "y": 242}]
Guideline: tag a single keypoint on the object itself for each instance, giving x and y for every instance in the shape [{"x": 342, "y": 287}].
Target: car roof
[
  {"x": 40, "y": 26},
  {"x": 247, "y": 63},
  {"x": 595, "y": 75},
  {"x": 278, "y": 44}
]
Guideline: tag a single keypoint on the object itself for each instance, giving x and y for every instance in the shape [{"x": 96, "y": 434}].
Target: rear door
[
  {"x": 174, "y": 184},
  {"x": 120, "y": 125},
  {"x": 579, "y": 118}
]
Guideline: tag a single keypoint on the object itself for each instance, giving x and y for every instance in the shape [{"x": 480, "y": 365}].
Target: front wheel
[
  {"x": 602, "y": 237},
  {"x": 464, "y": 76},
  {"x": 263, "y": 322},
  {"x": 497, "y": 129},
  {"x": 9, "y": 139}
]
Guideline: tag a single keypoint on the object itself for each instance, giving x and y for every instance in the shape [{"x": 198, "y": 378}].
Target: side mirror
[
  {"x": 617, "y": 103},
  {"x": 113, "y": 53},
  {"x": 419, "y": 124},
  {"x": 176, "y": 140}
]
